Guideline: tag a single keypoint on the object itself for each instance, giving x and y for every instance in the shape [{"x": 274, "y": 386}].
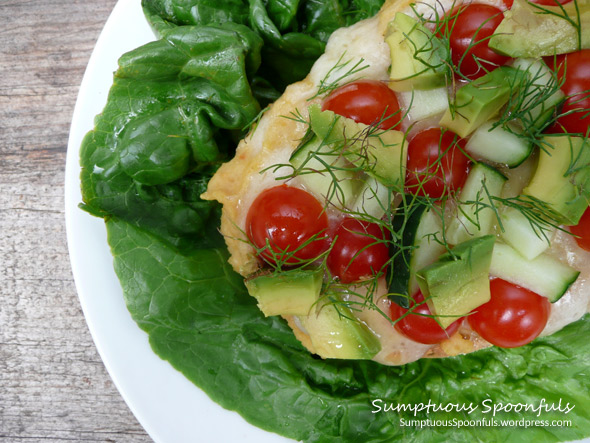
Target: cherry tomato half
[
  {"x": 436, "y": 163},
  {"x": 288, "y": 218},
  {"x": 469, "y": 28},
  {"x": 417, "y": 326},
  {"x": 550, "y": 2},
  {"x": 513, "y": 317},
  {"x": 582, "y": 230},
  {"x": 508, "y": 3},
  {"x": 574, "y": 70},
  {"x": 359, "y": 251},
  {"x": 366, "y": 101}
]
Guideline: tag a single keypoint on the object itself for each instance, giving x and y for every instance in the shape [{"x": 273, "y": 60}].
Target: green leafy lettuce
[
  {"x": 175, "y": 112},
  {"x": 200, "y": 318},
  {"x": 294, "y": 32}
]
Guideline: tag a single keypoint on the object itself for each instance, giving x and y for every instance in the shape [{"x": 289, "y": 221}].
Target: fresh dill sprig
[{"x": 253, "y": 124}]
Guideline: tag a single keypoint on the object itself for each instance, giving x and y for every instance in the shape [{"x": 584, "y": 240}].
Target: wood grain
[{"x": 53, "y": 385}]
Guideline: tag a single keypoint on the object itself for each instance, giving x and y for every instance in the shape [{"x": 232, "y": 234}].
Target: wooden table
[{"x": 53, "y": 385}]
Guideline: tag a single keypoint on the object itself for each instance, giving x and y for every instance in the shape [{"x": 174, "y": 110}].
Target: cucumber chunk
[
  {"x": 373, "y": 199},
  {"x": 325, "y": 172},
  {"x": 544, "y": 275},
  {"x": 419, "y": 249},
  {"x": 499, "y": 145},
  {"x": 475, "y": 213},
  {"x": 421, "y": 105},
  {"x": 540, "y": 97},
  {"x": 519, "y": 234}
]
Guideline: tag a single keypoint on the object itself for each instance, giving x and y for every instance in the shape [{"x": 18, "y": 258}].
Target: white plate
[{"x": 168, "y": 406}]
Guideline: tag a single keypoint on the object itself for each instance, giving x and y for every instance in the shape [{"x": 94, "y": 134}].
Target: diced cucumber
[
  {"x": 499, "y": 144},
  {"x": 421, "y": 105},
  {"x": 544, "y": 275},
  {"x": 540, "y": 96},
  {"x": 475, "y": 213},
  {"x": 419, "y": 249},
  {"x": 373, "y": 199},
  {"x": 518, "y": 233},
  {"x": 325, "y": 172}
]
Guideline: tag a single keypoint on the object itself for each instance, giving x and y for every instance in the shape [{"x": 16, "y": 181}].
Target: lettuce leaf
[
  {"x": 294, "y": 32},
  {"x": 173, "y": 115},
  {"x": 200, "y": 318}
]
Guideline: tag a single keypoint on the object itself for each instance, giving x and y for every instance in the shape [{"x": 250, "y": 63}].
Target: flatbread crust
[{"x": 238, "y": 182}]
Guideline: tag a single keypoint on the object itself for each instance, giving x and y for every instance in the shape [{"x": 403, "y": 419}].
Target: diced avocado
[
  {"x": 499, "y": 144},
  {"x": 418, "y": 58},
  {"x": 325, "y": 172},
  {"x": 418, "y": 227},
  {"x": 481, "y": 99},
  {"x": 476, "y": 213},
  {"x": 336, "y": 333},
  {"x": 544, "y": 275},
  {"x": 286, "y": 293},
  {"x": 421, "y": 105},
  {"x": 530, "y": 30},
  {"x": 459, "y": 282},
  {"x": 518, "y": 232},
  {"x": 540, "y": 95},
  {"x": 380, "y": 153},
  {"x": 562, "y": 177}
]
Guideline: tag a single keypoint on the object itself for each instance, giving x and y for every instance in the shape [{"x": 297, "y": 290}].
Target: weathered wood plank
[{"x": 53, "y": 385}]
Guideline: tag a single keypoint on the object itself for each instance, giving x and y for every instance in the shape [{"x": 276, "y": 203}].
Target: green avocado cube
[
  {"x": 531, "y": 30},
  {"x": 380, "y": 153},
  {"x": 335, "y": 332},
  {"x": 286, "y": 293},
  {"x": 458, "y": 282},
  {"x": 562, "y": 177},
  {"x": 418, "y": 58},
  {"x": 478, "y": 101}
]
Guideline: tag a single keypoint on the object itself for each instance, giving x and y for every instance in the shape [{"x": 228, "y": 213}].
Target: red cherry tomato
[
  {"x": 288, "y": 218},
  {"x": 513, "y": 317},
  {"x": 550, "y": 2},
  {"x": 359, "y": 251},
  {"x": 366, "y": 101},
  {"x": 508, "y": 3},
  {"x": 417, "y": 326},
  {"x": 582, "y": 230},
  {"x": 574, "y": 70},
  {"x": 436, "y": 163},
  {"x": 469, "y": 28}
]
